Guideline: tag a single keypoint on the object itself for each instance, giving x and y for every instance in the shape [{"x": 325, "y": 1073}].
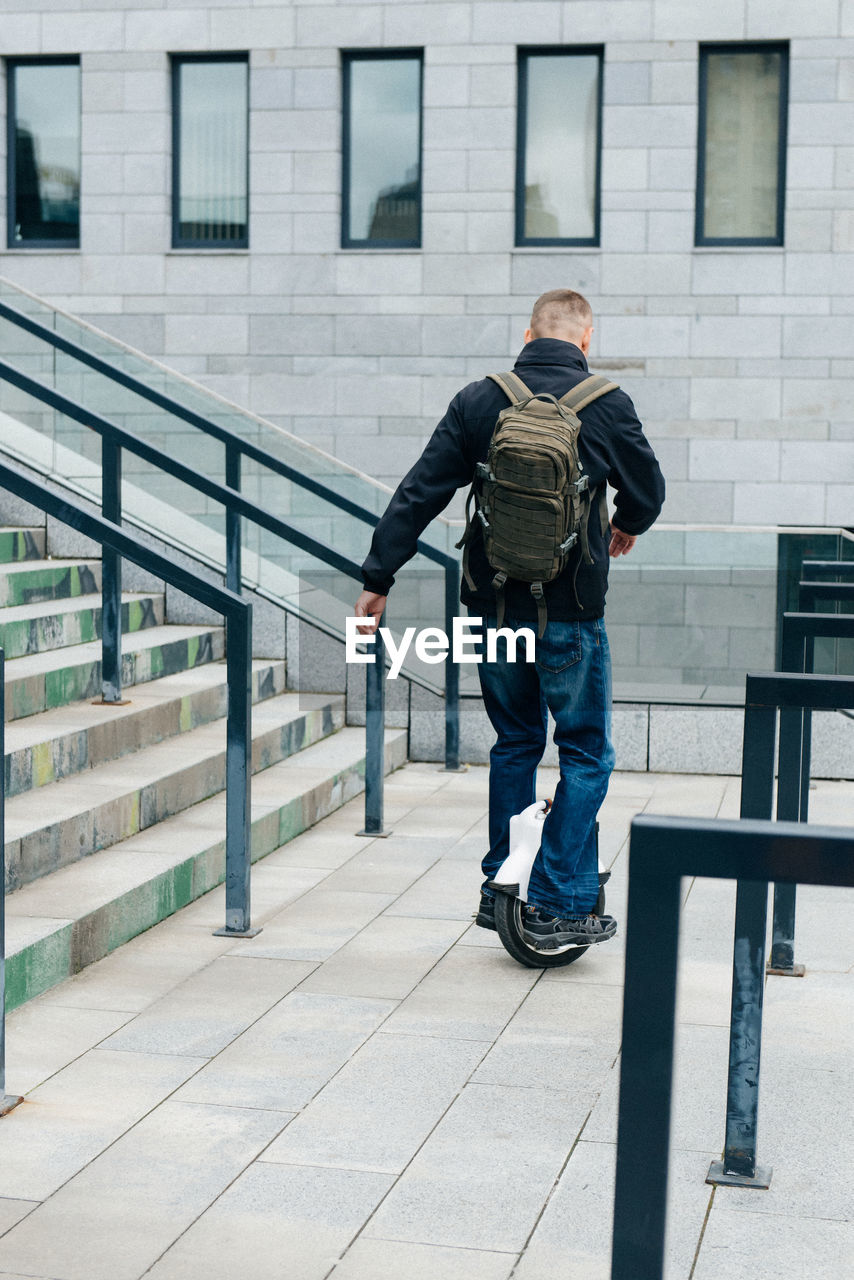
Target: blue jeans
[{"x": 571, "y": 678}]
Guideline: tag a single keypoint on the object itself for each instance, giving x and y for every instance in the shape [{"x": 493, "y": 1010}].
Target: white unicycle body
[{"x": 510, "y": 884}]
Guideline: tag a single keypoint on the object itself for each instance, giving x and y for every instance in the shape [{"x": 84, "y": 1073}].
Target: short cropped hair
[{"x": 560, "y": 311}]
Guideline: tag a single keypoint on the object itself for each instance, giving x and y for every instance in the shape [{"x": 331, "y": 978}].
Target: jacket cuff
[{"x": 380, "y": 586}]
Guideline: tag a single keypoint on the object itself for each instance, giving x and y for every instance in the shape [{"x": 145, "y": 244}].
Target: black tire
[{"x": 508, "y": 922}]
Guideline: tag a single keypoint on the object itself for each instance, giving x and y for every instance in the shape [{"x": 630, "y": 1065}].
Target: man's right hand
[
  {"x": 621, "y": 543},
  {"x": 370, "y": 605}
]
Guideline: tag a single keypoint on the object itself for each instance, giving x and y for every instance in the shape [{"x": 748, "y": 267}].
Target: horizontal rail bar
[
  {"x": 747, "y": 849},
  {"x": 790, "y": 689},
  {"x": 813, "y": 569},
  {"x": 230, "y": 498},
  {"x": 809, "y": 592},
  {"x": 176, "y": 409}
]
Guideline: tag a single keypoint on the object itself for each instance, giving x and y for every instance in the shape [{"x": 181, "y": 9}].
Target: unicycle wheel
[{"x": 508, "y": 923}]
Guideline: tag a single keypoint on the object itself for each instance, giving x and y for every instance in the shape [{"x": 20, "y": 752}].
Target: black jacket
[{"x": 612, "y": 448}]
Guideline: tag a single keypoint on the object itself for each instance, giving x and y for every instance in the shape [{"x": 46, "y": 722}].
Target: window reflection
[
  {"x": 382, "y": 140},
  {"x": 211, "y": 143},
  {"x": 741, "y": 152},
  {"x": 559, "y": 147},
  {"x": 44, "y": 105}
]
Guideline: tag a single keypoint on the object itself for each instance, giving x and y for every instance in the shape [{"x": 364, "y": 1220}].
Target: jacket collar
[{"x": 551, "y": 351}]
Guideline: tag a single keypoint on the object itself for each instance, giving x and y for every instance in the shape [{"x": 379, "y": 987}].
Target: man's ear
[
  {"x": 528, "y": 336},
  {"x": 585, "y": 339}
]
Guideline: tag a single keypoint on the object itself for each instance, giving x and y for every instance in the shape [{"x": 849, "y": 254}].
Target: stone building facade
[{"x": 739, "y": 358}]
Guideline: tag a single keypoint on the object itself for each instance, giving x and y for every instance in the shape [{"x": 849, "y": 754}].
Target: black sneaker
[
  {"x": 485, "y": 916},
  {"x": 547, "y": 932}
]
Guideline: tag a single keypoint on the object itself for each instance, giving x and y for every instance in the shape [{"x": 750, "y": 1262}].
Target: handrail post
[
  {"x": 111, "y": 580},
  {"x": 238, "y": 775},
  {"x": 375, "y": 738},
  {"x": 452, "y": 672},
  {"x": 233, "y": 572},
  {"x": 738, "y": 1167},
  {"x": 7, "y": 1101}
]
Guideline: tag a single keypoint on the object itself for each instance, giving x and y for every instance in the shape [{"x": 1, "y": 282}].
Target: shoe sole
[{"x": 562, "y": 942}]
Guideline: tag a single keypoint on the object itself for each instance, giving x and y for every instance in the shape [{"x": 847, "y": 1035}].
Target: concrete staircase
[{"x": 115, "y": 815}]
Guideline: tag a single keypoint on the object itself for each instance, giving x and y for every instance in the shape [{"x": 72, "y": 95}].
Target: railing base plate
[
  {"x": 718, "y": 1177},
  {"x": 795, "y": 971},
  {"x": 235, "y": 933},
  {"x": 373, "y": 835},
  {"x": 109, "y": 702},
  {"x": 8, "y": 1102},
  {"x": 459, "y": 768}
]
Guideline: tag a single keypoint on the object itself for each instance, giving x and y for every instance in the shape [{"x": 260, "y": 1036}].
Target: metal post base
[
  {"x": 111, "y": 702},
  {"x": 718, "y": 1177},
  {"x": 235, "y": 933},
  {"x": 373, "y": 835},
  {"x": 794, "y": 971},
  {"x": 461, "y": 768},
  {"x": 8, "y": 1102}
]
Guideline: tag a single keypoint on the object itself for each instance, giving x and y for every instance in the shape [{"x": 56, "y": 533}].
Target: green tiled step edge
[
  {"x": 61, "y": 629},
  {"x": 127, "y": 811},
  {"x": 42, "y": 691},
  {"x": 21, "y": 544},
  {"x": 50, "y": 580},
  {"x": 125, "y": 730},
  {"x": 64, "y": 947}
]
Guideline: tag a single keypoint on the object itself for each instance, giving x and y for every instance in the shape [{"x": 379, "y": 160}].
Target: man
[{"x": 571, "y": 676}]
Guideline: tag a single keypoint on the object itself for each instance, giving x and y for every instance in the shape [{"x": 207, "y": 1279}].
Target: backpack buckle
[
  {"x": 482, "y": 469},
  {"x": 568, "y": 543},
  {"x": 581, "y": 484},
  {"x": 482, "y": 518}
]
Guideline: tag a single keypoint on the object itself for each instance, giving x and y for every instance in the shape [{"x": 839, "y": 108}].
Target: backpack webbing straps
[
  {"x": 512, "y": 386},
  {"x": 586, "y": 392},
  {"x": 498, "y": 586},
  {"x": 542, "y": 613}
]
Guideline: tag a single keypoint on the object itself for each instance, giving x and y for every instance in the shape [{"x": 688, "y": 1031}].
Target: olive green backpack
[{"x": 531, "y": 497}]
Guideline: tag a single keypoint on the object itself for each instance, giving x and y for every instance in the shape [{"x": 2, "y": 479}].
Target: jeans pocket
[{"x": 560, "y": 646}]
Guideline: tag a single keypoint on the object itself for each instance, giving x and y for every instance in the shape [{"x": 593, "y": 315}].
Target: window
[
  {"x": 43, "y": 152},
  {"x": 210, "y": 151},
  {"x": 741, "y": 149},
  {"x": 559, "y": 145},
  {"x": 381, "y": 150}
]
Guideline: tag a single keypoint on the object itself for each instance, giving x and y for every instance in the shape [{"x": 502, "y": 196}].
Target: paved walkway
[{"x": 372, "y": 1088}]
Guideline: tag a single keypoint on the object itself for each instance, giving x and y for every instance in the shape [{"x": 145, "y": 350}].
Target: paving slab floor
[{"x": 371, "y": 1088}]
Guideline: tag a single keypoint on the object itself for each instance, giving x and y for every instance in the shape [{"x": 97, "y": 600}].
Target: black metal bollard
[{"x": 375, "y": 739}]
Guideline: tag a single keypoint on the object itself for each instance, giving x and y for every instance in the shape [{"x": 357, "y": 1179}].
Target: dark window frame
[
  {"x": 12, "y": 63},
  {"x": 177, "y": 60},
  {"x": 524, "y": 54},
  {"x": 348, "y": 57},
  {"x": 741, "y": 46}
]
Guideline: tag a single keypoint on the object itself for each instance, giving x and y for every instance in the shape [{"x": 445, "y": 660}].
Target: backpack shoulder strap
[
  {"x": 512, "y": 386},
  {"x": 586, "y": 392}
]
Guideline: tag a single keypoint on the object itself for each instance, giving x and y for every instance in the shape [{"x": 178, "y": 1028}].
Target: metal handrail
[
  {"x": 661, "y": 851},
  {"x": 236, "y": 448},
  {"x": 223, "y": 434},
  {"x": 238, "y": 619}
]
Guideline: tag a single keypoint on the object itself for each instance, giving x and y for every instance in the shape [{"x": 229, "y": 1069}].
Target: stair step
[
  {"x": 81, "y": 912},
  {"x": 79, "y": 815},
  {"x": 69, "y": 740},
  {"x": 41, "y": 681},
  {"x": 21, "y": 544},
  {"x": 36, "y": 628},
  {"x": 32, "y": 581}
]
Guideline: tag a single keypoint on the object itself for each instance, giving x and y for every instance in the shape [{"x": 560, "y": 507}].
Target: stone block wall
[{"x": 739, "y": 360}]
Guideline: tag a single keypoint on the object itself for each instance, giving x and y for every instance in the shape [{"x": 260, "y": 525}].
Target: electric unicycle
[{"x": 510, "y": 886}]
